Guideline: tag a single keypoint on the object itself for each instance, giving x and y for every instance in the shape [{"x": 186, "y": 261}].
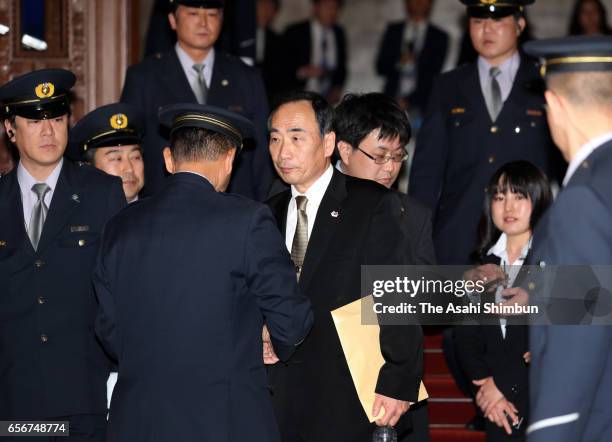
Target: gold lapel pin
[
  {"x": 2, "y": 243},
  {"x": 75, "y": 198},
  {"x": 335, "y": 214}
]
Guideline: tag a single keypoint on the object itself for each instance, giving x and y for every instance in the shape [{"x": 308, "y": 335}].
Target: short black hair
[
  {"x": 196, "y": 144},
  {"x": 324, "y": 112},
  {"x": 277, "y": 4},
  {"x": 520, "y": 177},
  {"x": 359, "y": 114}
]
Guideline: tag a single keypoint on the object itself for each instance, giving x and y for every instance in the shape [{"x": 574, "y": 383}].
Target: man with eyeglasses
[{"x": 371, "y": 132}]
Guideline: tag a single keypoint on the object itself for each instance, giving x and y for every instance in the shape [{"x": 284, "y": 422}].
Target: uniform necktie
[
  {"x": 300, "y": 239},
  {"x": 496, "y": 96},
  {"x": 201, "y": 90},
  {"x": 39, "y": 213}
]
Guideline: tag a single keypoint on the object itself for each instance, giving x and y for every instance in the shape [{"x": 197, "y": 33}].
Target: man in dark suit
[
  {"x": 53, "y": 213},
  {"x": 317, "y": 59},
  {"x": 371, "y": 132},
  {"x": 480, "y": 116},
  {"x": 571, "y": 373},
  {"x": 190, "y": 363},
  {"x": 333, "y": 224},
  {"x": 411, "y": 54},
  {"x": 270, "y": 49},
  {"x": 195, "y": 72}
]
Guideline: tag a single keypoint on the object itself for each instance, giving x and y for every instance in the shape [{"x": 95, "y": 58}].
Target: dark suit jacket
[
  {"x": 429, "y": 62},
  {"x": 316, "y": 388},
  {"x": 415, "y": 219},
  {"x": 160, "y": 80},
  {"x": 571, "y": 368},
  {"x": 459, "y": 148},
  {"x": 298, "y": 39},
  {"x": 483, "y": 351},
  {"x": 274, "y": 71},
  {"x": 49, "y": 292},
  {"x": 188, "y": 336}
]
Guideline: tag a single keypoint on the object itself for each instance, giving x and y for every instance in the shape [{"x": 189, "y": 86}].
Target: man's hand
[
  {"x": 500, "y": 412},
  {"x": 515, "y": 295},
  {"x": 527, "y": 357},
  {"x": 490, "y": 274},
  {"x": 394, "y": 409},
  {"x": 269, "y": 356},
  {"x": 488, "y": 394}
]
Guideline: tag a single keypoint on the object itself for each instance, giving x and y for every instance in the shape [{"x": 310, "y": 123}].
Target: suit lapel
[
  {"x": 219, "y": 80},
  {"x": 279, "y": 206},
  {"x": 472, "y": 90},
  {"x": 13, "y": 227},
  {"x": 328, "y": 218},
  {"x": 65, "y": 201},
  {"x": 176, "y": 80},
  {"x": 518, "y": 101}
]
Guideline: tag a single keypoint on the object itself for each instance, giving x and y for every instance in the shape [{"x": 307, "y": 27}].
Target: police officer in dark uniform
[
  {"x": 53, "y": 212},
  {"x": 480, "y": 116},
  {"x": 195, "y": 72},
  {"x": 571, "y": 366},
  {"x": 110, "y": 138}
]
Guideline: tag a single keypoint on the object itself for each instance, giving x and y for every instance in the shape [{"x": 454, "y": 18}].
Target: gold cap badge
[
  {"x": 45, "y": 90},
  {"x": 119, "y": 121}
]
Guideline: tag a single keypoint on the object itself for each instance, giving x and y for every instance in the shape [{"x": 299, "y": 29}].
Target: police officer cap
[
  {"x": 38, "y": 95},
  {"x": 116, "y": 124},
  {"x": 232, "y": 125},
  {"x": 208, "y": 4},
  {"x": 495, "y": 8},
  {"x": 572, "y": 54}
]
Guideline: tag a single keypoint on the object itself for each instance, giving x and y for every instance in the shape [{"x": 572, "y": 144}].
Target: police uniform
[
  {"x": 50, "y": 362},
  {"x": 459, "y": 147},
  {"x": 159, "y": 81},
  {"x": 116, "y": 124},
  {"x": 571, "y": 366},
  {"x": 190, "y": 362}
]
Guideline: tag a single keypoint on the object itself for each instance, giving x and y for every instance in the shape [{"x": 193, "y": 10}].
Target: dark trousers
[
  {"x": 420, "y": 424},
  {"x": 83, "y": 428}
]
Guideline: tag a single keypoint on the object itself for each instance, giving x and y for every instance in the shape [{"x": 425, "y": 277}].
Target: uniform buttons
[
  {"x": 39, "y": 263},
  {"x": 494, "y": 129},
  {"x": 517, "y": 129},
  {"x": 41, "y": 300},
  {"x": 531, "y": 286},
  {"x": 491, "y": 159},
  {"x": 81, "y": 242},
  {"x": 44, "y": 338},
  {"x": 457, "y": 124},
  {"x": 533, "y": 124}
]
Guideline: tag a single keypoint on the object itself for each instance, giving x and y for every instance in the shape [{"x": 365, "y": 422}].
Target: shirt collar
[
  {"x": 187, "y": 62},
  {"x": 26, "y": 180},
  {"x": 584, "y": 153},
  {"x": 507, "y": 68},
  {"x": 499, "y": 248},
  {"x": 317, "y": 190}
]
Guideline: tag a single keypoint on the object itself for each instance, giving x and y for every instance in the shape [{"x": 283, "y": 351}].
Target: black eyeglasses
[{"x": 384, "y": 159}]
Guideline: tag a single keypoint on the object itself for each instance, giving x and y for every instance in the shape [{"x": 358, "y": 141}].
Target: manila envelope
[{"x": 361, "y": 347}]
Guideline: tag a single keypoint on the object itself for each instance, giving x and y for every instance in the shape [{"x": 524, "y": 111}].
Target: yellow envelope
[{"x": 361, "y": 346}]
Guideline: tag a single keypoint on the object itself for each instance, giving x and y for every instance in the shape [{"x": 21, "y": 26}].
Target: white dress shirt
[
  {"x": 317, "y": 32},
  {"x": 187, "y": 64},
  {"x": 510, "y": 268},
  {"x": 508, "y": 69},
  {"x": 315, "y": 195},
  {"x": 583, "y": 154},
  {"x": 28, "y": 197}
]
